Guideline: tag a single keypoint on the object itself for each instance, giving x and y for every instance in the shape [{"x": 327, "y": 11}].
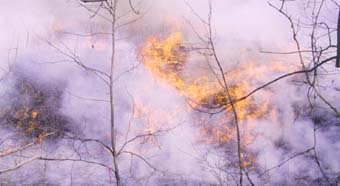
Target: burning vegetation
[
  {"x": 170, "y": 93},
  {"x": 166, "y": 59},
  {"x": 34, "y": 110}
]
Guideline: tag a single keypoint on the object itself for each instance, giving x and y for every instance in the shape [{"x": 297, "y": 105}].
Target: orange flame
[{"x": 166, "y": 59}]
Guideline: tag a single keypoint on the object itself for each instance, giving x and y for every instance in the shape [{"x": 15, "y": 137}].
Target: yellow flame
[{"x": 166, "y": 58}]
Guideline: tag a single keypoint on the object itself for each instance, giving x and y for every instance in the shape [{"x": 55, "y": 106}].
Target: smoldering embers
[{"x": 32, "y": 108}]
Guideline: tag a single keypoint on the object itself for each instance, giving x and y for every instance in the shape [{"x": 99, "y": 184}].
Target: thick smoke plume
[{"x": 174, "y": 124}]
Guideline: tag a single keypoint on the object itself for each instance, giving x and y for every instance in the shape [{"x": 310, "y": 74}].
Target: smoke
[{"x": 33, "y": 32}]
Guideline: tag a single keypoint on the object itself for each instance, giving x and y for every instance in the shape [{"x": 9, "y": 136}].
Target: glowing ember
[
  {"x": 34, "y": 110},
  {"x": 34, "y": 114}
]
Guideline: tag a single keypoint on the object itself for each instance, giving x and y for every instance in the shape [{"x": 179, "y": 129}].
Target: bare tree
[
  {"x": 108, "y": 11},
  {"x": 312, "y": 55},
  {"x": 319, "y": 32}
]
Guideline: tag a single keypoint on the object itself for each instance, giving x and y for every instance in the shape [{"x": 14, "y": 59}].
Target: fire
[
  {"x": 34, "y": 111},
  {"x": 166, "y": 59},
  {"x": 34, "y": 114},
  {"x": 27, "y": 119}
]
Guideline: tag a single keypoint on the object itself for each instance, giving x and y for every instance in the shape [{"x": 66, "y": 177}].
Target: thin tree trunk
[
  {"x": 230, "y": 98},
  {"x": 337, "y": 64},
  {"x": 112, "y": 106}
]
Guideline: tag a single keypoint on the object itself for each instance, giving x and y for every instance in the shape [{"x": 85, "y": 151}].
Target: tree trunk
[{"x": 337, "y": 64}]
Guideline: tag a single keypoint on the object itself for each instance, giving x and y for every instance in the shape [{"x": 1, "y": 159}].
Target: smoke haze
[{"x": 33, "y": 34}]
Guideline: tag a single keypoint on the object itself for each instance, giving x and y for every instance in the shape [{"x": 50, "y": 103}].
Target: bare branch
[{"x": 20, "y": 164}]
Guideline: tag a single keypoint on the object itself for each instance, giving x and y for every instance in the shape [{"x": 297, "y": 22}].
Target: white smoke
[{"x": 242, "y": 29}]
